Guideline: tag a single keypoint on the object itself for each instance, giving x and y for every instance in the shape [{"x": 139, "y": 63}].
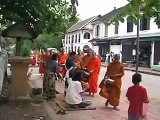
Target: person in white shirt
[{"x": 73, "y": 93}]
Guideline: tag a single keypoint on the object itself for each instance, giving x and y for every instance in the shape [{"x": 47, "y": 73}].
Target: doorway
[{"x": 144, "y": 53}]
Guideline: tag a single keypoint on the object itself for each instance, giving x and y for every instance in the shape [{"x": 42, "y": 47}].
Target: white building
[
  {"x": 78, "y": 35},
  {"x": 122, "y": 38}
]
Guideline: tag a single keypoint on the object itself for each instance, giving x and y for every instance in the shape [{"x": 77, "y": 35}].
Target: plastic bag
[{"x": 145, "y": 111}]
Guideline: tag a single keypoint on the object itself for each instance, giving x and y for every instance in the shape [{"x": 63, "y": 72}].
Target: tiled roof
[
  {"x": 80, "y": 25},
  {"x": 114, "y": 12}
]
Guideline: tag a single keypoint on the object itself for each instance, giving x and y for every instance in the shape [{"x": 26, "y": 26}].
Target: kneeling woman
[
  {"x": 52, "y": 70},
  {"x": 73, "y": 92}
]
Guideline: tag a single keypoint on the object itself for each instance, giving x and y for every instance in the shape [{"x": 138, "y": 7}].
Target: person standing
[
  {"x": 52, "y": 69},
  {"x": 79, "y": 58},
  {"x": 86, "y": 59},
  {"x": 93, "y": 68},
  {"x": 107, "y": 58},
  {"x": 115, "y": 71},
  {"x": 62, "y": 61},
  {"x": 137, "y": 95},
  {"x": 42, "y": 62},
  {"x": 33, "y": 61}
]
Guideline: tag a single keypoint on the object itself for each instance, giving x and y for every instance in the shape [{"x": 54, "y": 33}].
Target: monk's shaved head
[{"x": 116, "y": 57}]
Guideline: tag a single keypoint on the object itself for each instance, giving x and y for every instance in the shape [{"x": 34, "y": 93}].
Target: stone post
[{"x": 19, "y": 69}]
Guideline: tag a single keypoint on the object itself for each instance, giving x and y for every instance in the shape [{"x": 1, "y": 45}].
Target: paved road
[{"x": 152, "y": 83}]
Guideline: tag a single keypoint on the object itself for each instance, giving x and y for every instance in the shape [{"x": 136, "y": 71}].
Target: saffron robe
[
  {"x": 85, "y": 61},
  {"x": 42, "y": 60},
  {"x": 93, "y": 68},
  {"x": 62, "y": 60},
  {"x": 114, "y": 68}
]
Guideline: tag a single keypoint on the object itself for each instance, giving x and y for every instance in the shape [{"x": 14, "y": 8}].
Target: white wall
[
  {"x": 123, "y": 29},
  {"x": 77, "y": 44}
]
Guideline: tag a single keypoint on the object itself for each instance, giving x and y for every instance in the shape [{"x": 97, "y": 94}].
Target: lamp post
[{"x": 137, "y": 42}]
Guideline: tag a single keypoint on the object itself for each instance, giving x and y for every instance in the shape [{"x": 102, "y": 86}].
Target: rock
[{"x": 26, "y": 115}]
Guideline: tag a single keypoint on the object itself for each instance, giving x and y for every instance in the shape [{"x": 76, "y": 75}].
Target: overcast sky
[{"x": 90, "y": 8}]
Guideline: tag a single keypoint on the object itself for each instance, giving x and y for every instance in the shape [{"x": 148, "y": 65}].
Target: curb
[{"x": 141, "y": 71}]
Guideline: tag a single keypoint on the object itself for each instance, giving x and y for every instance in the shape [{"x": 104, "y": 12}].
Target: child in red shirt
[{"x": 137, "y": 95}]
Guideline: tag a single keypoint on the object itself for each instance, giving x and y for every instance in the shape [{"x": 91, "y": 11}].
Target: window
[
  {"x": 144, "y": 24},
  {"x": 66, "y": 39},
  {"x": 79, "y": 39},
  {"x": 158, "y": 26},
  {"x": 129, "y": 25},
  {"x": 86, "y": 35},
  {"x": 106, "y": 30},
  {"x": 97, "y": 30},
  {"x": 75, "y": 48},
  {"x": 69, "y": 39},
  {"x": 76, "y": 38},
  {"x": 72, "y": 39},
  {"x": 116, "y": 29}
]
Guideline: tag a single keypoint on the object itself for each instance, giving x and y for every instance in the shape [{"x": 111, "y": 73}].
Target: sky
[{"x": 90, "y": 8}]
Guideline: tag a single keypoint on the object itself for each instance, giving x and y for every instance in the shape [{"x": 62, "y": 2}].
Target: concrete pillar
[
  {"x": 19, "y": 69},
  {"x": 152, "y": 54}
]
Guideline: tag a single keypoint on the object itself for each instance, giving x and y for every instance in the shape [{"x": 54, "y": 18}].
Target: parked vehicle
[{"x": 53, "y": 50}]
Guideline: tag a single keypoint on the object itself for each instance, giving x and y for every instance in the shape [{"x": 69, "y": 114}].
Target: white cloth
[{"x": 73, "y": 92}]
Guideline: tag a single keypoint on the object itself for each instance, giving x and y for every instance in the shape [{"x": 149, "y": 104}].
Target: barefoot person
[
  {"x": 73, "y": 92},
  {"x": 137, "y": 95},
  {"x": 115, "y": 71}
]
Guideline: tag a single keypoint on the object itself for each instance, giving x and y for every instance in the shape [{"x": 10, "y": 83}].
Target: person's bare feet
[
  {"x": 116, "y": 108},
  {"x": 106, "y": 103},
  {"x": 92, "y": 95}
]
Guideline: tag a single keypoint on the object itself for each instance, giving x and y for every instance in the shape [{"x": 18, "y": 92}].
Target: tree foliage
[
  {"x": 51, "y": 16},
  {"x": 138, "y": 8}
]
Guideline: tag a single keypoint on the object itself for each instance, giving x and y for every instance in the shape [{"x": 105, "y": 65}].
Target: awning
[{"x": 142, "y": 37}]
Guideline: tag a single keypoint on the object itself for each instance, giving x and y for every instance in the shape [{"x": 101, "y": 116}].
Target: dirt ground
[{"x": 23, "y": 111}]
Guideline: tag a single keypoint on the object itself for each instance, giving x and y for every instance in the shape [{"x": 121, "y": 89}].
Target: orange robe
[
  {"x": 78, "y": 61},
  {"x": 62, "y": 60},
  {"x": 115, "y": 67},
  {"x": 42, "y": 60},
  {"x": 85, "y": 61},
  {"x": 93, "y": 68}
]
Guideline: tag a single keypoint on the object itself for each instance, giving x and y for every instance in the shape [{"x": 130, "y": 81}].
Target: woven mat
[{"x": 60, "y": 104}]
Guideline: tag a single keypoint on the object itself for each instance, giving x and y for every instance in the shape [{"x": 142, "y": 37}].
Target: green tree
[
  {"x": 148, "y": 8},
  {"x": 45, "y": 40},
  {"x": 51, "y": 16}
]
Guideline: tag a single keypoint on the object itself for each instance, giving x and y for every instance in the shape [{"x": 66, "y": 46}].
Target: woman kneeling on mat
[{"x": 73, "y": 92}]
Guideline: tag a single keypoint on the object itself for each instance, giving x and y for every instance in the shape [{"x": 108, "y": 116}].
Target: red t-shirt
[{"x": 137, "y": 95}]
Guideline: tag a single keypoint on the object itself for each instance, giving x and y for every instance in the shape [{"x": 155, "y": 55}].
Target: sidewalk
[
  {"x": 101, "y": 112},
  {"x": 141, "y": 70}
]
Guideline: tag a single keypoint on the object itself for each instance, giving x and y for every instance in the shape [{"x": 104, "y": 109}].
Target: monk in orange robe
[
  {"x": 42, "y": 60},
  {"x": 78, "y": 59},
  {"x": 115, "y": 71},
  {"x": 86, "y": 59},
  {"x": 61, "y": 61},
  {"x": 93, "y": 68}
]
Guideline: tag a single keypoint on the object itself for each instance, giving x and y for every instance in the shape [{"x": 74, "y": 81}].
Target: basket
[{"x": 110, "y": 82}]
